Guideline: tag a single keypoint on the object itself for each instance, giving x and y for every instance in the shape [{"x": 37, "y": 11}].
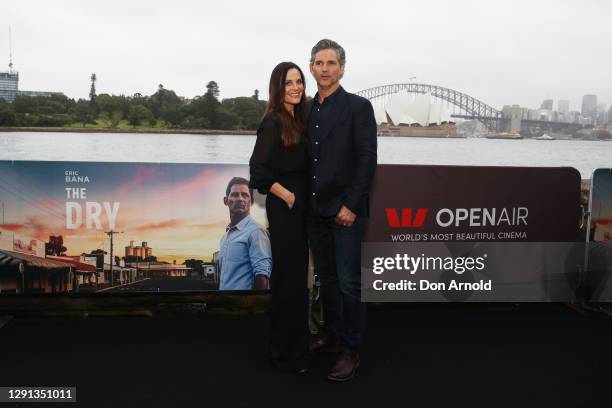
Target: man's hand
[
  {"x": 261, "y": 282},
  {"x": 345, "y": 217}
]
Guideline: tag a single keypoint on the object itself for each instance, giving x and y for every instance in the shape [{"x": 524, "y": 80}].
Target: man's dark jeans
[{"x": 337, "y": 257}]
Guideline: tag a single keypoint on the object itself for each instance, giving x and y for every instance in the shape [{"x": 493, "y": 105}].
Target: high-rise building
[
  {"x": 589, "y": 106},
  {"x": 9, "y": 85},
  {"x": 563, "y": 106},
  {"x": 602, "y": 114},
  {"x": 547, "y": 104}
]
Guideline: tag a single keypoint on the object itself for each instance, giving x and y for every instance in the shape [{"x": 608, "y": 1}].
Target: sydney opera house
[{"x": 413, "y": 115}]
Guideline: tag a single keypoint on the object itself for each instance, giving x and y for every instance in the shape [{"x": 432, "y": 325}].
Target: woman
[{"x": 279, "y": 168}]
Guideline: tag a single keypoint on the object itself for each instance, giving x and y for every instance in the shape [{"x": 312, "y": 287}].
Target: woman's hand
[
  {"x": 290, "y": 199},
  {"x": 281, "y": 192}
]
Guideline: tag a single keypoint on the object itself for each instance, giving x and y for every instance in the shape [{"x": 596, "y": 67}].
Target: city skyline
[{"x": 133, "y": 48}]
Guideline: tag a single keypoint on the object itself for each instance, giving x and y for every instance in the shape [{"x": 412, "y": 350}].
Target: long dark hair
[{"x": 292, "y": 128}]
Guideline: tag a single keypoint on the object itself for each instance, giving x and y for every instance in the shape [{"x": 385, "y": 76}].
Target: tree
[
  {"x": 107, "y": 103},
  {"x": 83, "y": 113},
  {"x": 194, "y": 264},
  {"x": 92, "y": 91},
  {"x": 225, "y": 119},
  {"x": 138, "y": 114},
  {"x": 248, "y": 111},
  {"x": 24, "y": 104},
  {"x": 256, "y": 95},
  {"x": 166, "y": 105},
  {"x": 212, "y": 88},
  {"x": 55, "y": 246},
  {"x": 171, "y": 114},
  {"x": 204, "y": 108},
  {"x": 115, "y": 119},
  {"x": 7, "y": 116}
]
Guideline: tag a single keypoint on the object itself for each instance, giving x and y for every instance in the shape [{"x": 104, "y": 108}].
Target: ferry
[
  {"x": 545, "y": 137},
  {"x": 503, "y": 135}
]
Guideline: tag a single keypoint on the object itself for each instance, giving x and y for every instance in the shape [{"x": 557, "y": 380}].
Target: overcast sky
[{"x": 501, "y": 52}]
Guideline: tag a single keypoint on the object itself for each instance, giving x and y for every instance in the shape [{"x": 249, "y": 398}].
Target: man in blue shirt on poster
[{"x": 245, "y": 255}]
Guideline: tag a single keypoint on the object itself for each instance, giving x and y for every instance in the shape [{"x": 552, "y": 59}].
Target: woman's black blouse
[{"x": 271, "y": 161}]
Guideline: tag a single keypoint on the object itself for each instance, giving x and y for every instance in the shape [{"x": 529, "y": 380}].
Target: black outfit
[
  {"x": 342, "y": 147},
  {"x": 272, "y": 162}
]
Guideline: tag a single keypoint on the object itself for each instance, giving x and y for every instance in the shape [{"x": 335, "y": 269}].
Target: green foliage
[
  {"x": 92, "y": 90},
  {"x": 52, "y": 120},
  {"x": 139, "y": 114},
  {"x": 248, "y": 111},
  {"x": 225, "y": 119},
  {"x": 191, "y": 122},
  {"x": 83, "y": 113},
  {"x": 7, "y": 116},
  {"x": 212, "y": 89},
  {"x": 110, "y": 104},
  {"x": 44, "y": 105},
  {"x": 163, "y": 108},
  {"x": 115, "y": 119},
  {"x": 112, "y": 120},
  {"x": 166, "y": 105}
]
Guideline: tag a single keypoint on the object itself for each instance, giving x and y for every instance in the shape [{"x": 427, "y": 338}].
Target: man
[
  {"x": 342, "y": 138},
  {"x": 245, "y": 256}
]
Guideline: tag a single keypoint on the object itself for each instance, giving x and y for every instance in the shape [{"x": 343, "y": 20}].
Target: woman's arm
[{"x": 263, "y": 176}]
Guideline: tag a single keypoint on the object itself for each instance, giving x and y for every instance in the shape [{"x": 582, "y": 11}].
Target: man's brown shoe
[
  {"x": 345, "y": 367},
  {"x": 324, "y": 345}
]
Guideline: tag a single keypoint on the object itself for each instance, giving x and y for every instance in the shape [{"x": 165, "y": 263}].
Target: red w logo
[{"x": 407, "y": 221}]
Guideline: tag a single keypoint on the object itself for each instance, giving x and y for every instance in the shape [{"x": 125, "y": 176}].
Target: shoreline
[
  {"x": 225, "y": 132},
  {"x": 130, "y": 130}
]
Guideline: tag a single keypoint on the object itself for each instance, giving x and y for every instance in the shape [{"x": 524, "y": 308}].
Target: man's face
[
  {"x": 326, "y": 68},
  {"x": 238, "y": 200}
]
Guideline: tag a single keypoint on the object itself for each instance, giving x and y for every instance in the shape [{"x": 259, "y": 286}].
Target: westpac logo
[
  {"x": 408, "y": 219},
  {"x": 459, "y": 217}
]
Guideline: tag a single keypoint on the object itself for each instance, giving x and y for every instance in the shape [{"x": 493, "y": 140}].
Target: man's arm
[
  {"x": 365, "y": 143},
  {"x": 261, "y": 282},
  {"x": 260, "y": 256}
]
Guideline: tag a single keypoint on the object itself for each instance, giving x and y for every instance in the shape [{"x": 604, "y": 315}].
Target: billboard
[
  {"x": 161, "y": 227},
  {"x": 470, "y": 233},
  {"x": 145, "y": 226}
]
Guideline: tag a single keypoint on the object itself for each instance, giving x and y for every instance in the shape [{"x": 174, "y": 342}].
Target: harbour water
[{"x": 585, "y": 156}]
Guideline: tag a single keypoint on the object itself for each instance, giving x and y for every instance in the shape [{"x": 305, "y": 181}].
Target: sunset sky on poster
[{"x": 176, "y": 208}]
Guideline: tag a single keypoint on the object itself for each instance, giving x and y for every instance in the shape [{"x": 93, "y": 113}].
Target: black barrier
[
  {"x": 89, "y": 227},
  {"x": 471, "y": 233},
  {"x": 471, "y": 271}
]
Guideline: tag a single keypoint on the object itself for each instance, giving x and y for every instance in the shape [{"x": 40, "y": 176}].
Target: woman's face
[{"x": 294, "y": 87}]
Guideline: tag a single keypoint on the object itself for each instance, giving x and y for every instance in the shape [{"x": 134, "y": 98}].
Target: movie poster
[
  {"x": 116, "y": 227},
  {"x": 596, "y": 285}
]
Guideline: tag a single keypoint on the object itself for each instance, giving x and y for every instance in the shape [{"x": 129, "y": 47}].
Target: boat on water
[
  {"x": 503, "y": 135},
  {"x": 545, "y": 137}
]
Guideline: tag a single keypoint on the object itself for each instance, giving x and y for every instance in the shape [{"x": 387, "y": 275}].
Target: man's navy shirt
[{"x": 318, "y": 119}]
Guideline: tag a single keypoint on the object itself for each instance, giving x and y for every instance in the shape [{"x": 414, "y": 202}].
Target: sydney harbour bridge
[{"x": 464, "y": 106}]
